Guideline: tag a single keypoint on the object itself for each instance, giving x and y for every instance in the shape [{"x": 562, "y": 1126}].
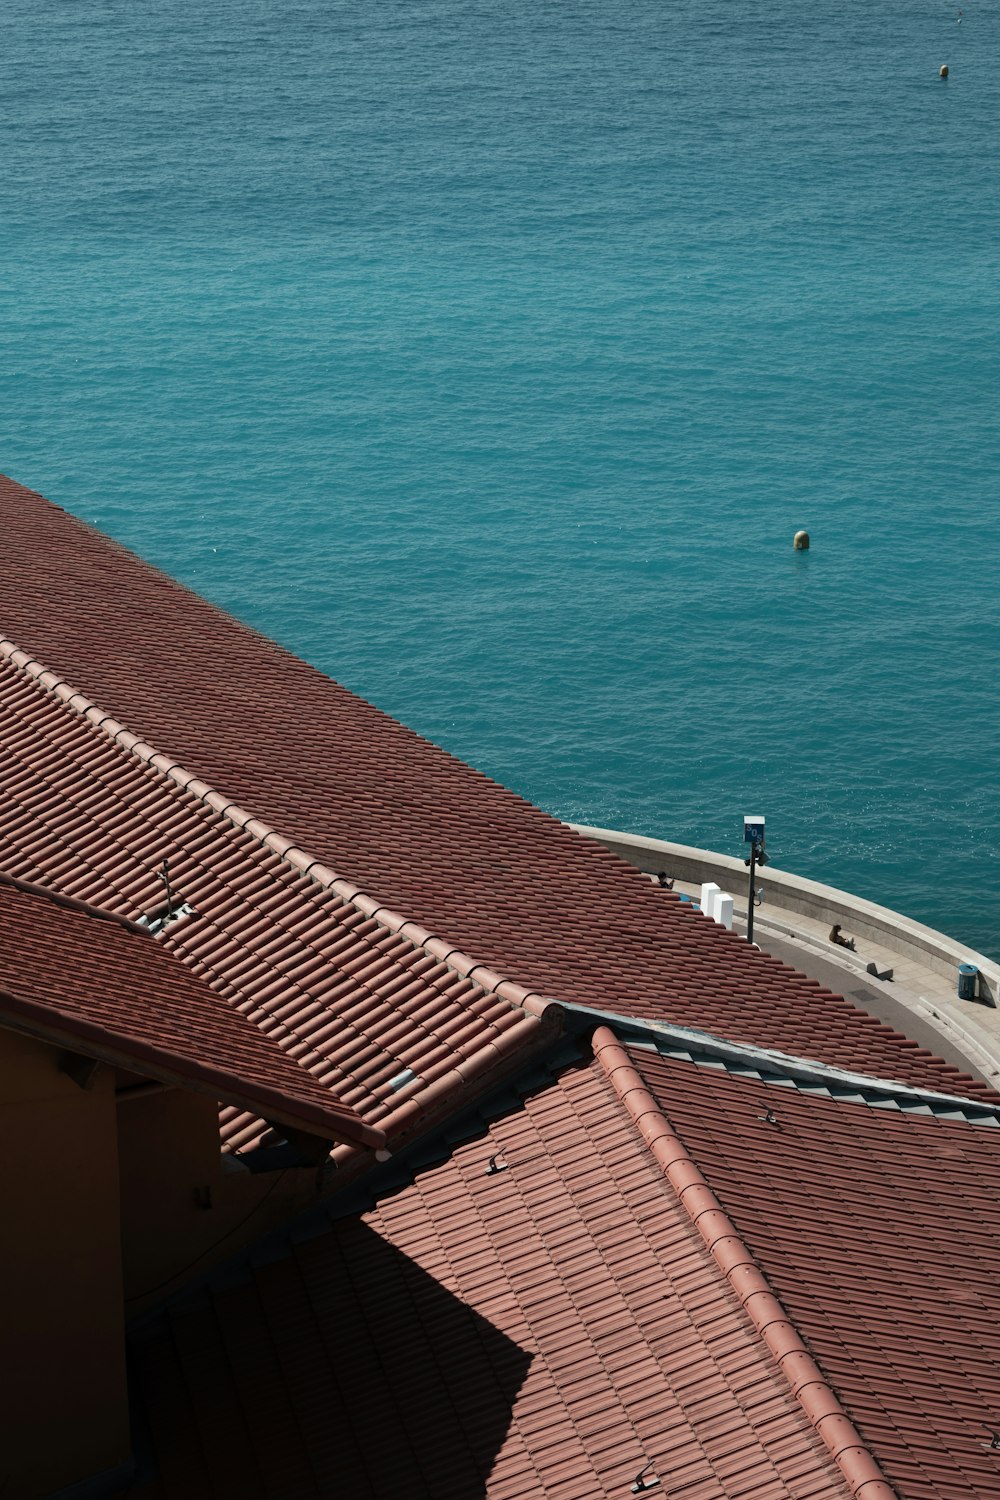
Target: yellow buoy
[
  {"x": 943, "y": 71},
  {"x": 800, "y": 541}
]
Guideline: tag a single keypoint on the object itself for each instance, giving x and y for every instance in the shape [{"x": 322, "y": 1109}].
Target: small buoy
[
  {"x": 800, "y": 541},
  {"x": 943, "y": 71}
]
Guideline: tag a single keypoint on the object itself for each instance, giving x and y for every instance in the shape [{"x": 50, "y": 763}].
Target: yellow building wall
[
  {"x": 63, "y": 1398},
  {"x": 181, "y": 1213}
]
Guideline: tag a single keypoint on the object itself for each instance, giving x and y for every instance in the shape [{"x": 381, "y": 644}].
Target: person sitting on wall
[
  {"x": 661, "y": 880},
  {"x": 837, "y": 937}
]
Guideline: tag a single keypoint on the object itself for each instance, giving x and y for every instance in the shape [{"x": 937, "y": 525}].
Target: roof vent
[
  {"x": 403, "y": 1080},
  {"x": 172, "y": 909},
  {"x": 164, "y": 916}
]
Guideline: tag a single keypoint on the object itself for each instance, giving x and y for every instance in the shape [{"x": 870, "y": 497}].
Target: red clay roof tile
[
  {"x": 90, "y": 982},
  {"x": 556, "y": 1263},
  {"x": 359, "y": 794},
  {"x": 524, "y": 1364},
  {"x": 277, "y": 946},
  {"x": 866, "y": 1232}
]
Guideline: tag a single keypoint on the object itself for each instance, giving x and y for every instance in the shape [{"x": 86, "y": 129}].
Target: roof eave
[{"x": 41, "y": 1022}]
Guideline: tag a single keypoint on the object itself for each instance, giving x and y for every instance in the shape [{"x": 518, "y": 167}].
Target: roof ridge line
[
  {"x": 806, "y": 1068},
  {"x": 517, "y": 995},
  {"x": 808, "y": 1384},
  {"x": 73, "y": 903}
]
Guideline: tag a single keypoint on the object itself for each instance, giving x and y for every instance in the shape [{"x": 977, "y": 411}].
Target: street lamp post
[{"x": 753, "y": 834}]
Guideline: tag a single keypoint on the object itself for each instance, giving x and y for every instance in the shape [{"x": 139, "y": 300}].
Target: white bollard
[
  {"x": 724, "y": 910},
  {"x": 709, "y": 892}
]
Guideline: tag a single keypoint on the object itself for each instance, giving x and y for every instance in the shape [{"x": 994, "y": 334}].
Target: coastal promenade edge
[
  {"x": 808, "y": 898},
  {"x": 924, "y": 960}
]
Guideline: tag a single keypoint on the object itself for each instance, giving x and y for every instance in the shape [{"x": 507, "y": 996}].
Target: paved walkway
[{"x": 917, "y": 1001}]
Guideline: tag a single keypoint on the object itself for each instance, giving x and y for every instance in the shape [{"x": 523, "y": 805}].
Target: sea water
[{"x": 489, "y": 353}]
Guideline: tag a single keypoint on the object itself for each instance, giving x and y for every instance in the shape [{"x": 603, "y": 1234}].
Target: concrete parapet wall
[{"x": 808, "y": 898}]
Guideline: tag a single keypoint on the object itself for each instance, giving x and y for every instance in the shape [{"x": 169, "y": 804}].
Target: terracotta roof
[
  {"x": 423, "y": 834},
  {"x": 550, "y": 1329},
  {"x": 374, "y": 1014},
  {"x": 90, "y": 984},
  {"x": 877, "y": 1229},
  {"x": 787, "y": 1291},
  {"x": 550, "y": 1308}
]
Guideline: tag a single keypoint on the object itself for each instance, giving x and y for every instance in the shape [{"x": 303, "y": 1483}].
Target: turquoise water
[{"x": 488, "y": 355}]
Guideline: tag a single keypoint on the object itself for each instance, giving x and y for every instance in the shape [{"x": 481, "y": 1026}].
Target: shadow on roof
[{"x": 344, "y": 1369}]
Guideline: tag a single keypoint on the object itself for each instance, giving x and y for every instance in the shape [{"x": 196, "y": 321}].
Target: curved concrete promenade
[{"x": 794, "y": 923}]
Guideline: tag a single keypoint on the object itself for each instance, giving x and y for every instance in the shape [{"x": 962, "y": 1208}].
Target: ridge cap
[
  {"x": 518, "y": 996},
  {"x": 809, "y": 1386},
  {"x": 73, "y": 903}
]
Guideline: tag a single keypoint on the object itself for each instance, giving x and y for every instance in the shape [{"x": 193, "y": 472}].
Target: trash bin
[{"x": 968, "y": 976}]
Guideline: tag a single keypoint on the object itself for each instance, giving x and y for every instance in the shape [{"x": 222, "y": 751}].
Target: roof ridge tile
[
  {"x": 73, "y": 903},
  {"x": 810, "y": 1387},
  {"x": 438, "y": 948}
]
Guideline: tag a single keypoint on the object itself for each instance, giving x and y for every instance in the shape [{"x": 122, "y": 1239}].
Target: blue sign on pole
[{"x": 753, "y": 830}]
